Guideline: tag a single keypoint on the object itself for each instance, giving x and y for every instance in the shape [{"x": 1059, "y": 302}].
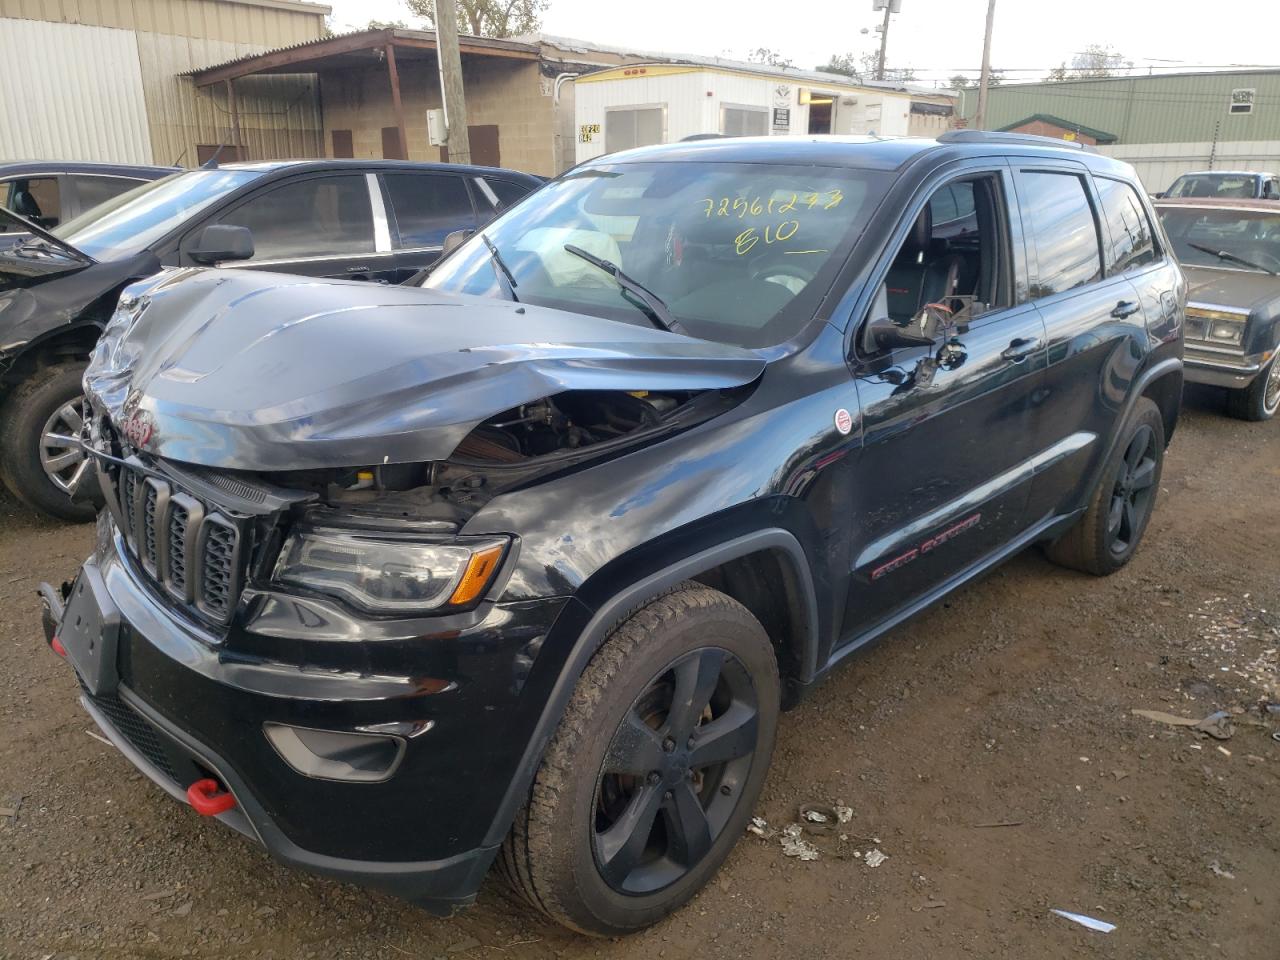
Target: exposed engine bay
[{"x": 518, "y": 446}]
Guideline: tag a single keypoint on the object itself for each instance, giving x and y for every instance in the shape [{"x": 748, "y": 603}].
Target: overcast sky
[{"x": 936, "y": 37}]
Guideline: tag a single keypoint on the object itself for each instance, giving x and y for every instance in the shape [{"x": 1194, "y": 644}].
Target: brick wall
[
  {"x": 508, "y": 93},
  {"x": 1042, "y": 129}
]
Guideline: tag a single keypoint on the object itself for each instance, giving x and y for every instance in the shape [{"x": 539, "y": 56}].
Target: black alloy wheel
[
  {"x": 655, "y": 768},
  {"x": 1133, "y": 493},
  {"x": 673, "y": 771}
]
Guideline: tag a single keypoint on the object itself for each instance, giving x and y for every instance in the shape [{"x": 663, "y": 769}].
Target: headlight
[
  {"x": 384, "y": 573},
  {"x": 1226, "y": 331}
]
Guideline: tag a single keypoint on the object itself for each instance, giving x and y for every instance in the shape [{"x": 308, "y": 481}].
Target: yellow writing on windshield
[
  {"x": 742, "y": 207},
  {"x": 749, "y": 237}
]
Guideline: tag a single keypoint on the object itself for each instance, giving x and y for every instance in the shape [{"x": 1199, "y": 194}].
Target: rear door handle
[
  {"x": 1126, "y": 308},
  {"x": 1021, "y": 348}
]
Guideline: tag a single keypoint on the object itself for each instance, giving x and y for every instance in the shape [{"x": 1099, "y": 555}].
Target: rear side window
[
  {"x": 321, "y": 216},
  {"x": 429, "y": 206},
  {"x": 95, "y": 190},
  {"x": 35, "y": 198},
  {"x": 1056, "y": 209},
  {"x": 1132, "y": 239},
  {"x": 508, "y": 193}
]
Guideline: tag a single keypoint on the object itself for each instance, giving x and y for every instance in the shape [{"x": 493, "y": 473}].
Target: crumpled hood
[{"x": 258, "y": 371}]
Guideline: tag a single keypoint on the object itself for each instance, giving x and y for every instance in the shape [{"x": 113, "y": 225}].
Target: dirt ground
[{"x": 987, "y": 748}]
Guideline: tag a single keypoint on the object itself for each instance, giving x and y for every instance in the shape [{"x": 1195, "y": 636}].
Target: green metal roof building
[{"x": 1165, "y": 125}]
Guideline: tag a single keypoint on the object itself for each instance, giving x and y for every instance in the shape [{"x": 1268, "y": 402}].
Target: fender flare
[
  {"x": 1149, "y": 376},
  {"x": 616, "y": 608}
]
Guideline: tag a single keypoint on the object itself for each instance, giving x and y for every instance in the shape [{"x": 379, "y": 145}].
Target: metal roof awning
[{"x": 363, "y": 49}]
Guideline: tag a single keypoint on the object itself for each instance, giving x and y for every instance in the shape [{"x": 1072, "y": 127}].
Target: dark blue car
[{"x": 47, "y": 192}]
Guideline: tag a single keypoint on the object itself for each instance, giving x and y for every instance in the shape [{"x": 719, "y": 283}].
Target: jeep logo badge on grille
[{"x": 137, "y": 428}]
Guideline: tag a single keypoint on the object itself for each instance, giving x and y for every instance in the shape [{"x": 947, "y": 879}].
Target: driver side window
[{"x": 953, "y": 265}]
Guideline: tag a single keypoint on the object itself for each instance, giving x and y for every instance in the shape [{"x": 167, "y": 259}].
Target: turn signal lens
[{"x": 483, "y": 565}]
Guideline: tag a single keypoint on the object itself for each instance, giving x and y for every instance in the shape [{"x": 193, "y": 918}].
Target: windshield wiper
[
  {"x": 654, "y": 308},
  {"x": 1231, "y": 257},
  {"x": 501, "y": 265}
]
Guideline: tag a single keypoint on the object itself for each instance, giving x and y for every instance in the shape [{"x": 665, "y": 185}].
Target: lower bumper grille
[{"x": 136, "y": 729}]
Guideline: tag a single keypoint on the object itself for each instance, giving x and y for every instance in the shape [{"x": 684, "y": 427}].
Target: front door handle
[
  {"x": 1021, "y": 348},
  {"x": 1126, "y": 308}
]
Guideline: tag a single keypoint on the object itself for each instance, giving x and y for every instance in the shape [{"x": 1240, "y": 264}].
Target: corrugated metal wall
[
  {"x": 1169, "y": 109},
  {"x": 98, "y": 79},
  {"x": 1159, "y": 164},
  {"x": 279, "y": 115},
  {"x": 268, "y": 24},
  {"x": 92, "y": 111}
]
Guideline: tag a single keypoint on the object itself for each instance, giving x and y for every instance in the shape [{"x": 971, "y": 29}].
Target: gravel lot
[{"x": 1009, "y": 704}]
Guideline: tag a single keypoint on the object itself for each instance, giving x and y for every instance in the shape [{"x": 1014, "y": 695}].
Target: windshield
[
  {"x": 134, "y": 220},
  {"x": 739, "y": 253},
  {"x": 1225, "y": 185},
  {"x": 1248, "y": 234}
]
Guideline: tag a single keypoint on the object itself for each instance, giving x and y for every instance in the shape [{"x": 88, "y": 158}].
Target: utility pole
[
  {"x": 451, "y": 93},
  {"x": 890, "y": 6},
  {"x": 980, "y": 118}
]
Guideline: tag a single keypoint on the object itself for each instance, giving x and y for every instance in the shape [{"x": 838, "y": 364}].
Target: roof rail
[{"x": 995, "y": 136}]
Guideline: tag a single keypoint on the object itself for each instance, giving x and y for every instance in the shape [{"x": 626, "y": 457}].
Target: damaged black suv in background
[{"x": 521, "y": 566}]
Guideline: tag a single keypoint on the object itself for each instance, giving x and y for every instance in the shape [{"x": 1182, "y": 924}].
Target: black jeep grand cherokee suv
[{"x": 522, "y": 565}]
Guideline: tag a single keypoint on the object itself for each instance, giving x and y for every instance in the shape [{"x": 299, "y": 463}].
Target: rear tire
[
  {"x": 34, "y": 406},
  {"x": 1261, "y": 399},
  {"x": 608, "y": 852},
  {"x": 1104, "y": 539}
]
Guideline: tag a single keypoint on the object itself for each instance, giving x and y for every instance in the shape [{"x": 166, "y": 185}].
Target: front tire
[
  {"x": 655, "y": 769},
  {"x": 1106, "y": 537},
  {"x": 39, "y": 460},
  {"x": 1261, "y": 399}
]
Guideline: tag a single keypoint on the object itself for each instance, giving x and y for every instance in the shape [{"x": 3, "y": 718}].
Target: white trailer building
[{"x": 644, "y": 103}]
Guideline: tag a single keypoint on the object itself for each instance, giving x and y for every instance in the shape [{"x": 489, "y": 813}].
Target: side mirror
[
  {"x": 883, "y": 334},
  {"x": 454, "y": 240},
  {"x": 221, "y": 242}
]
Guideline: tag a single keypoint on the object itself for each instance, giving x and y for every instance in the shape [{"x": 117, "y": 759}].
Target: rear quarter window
[
  {"x": 429, "y": 206},
  {"x": 1132, "y": 239}
]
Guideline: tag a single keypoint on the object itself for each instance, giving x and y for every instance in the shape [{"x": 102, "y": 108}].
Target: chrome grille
[{"x": 182, "y": 544}]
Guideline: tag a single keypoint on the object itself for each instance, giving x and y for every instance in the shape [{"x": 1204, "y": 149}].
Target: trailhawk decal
[{"x": 953, "y": 531}]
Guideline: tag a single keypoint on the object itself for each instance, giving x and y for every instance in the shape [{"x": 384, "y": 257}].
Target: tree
[
  {"x": 959, "y": 81},
  {"x": 862, "y": 66},
  {"x": 489, "y": 18},
  {"x": 845, "y": 63},
  {"x": 1095, "y": 60},
  {"x": 770, "y": 57},
  {"x": 386, "y": 25}
]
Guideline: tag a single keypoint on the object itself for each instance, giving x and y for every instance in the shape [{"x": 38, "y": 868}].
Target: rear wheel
[
  {"x": 1261, "y": 399},
  {"x": 655, "y": 768},
  {"x": 1105, "y": 538},
  {"x": 40, "y": 456}
]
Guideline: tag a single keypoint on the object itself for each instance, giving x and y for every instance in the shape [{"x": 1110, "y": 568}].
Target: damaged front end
[{"x": 278, "y": 488}]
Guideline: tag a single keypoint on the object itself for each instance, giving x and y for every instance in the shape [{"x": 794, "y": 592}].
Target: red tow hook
[
  {"x": 58, "y": 648},
  {"x": 208, "y": 798}
]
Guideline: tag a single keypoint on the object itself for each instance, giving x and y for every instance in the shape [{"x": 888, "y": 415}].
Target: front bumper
[
  {"x": 1219, "y": 367},
  {"x": 185, "y": 709}
]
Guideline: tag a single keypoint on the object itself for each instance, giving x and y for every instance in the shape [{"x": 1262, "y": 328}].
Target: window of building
[
  {"x": 1132, "y": 239},
  {"x": 739, "y": 121},
  {"x": 429, "y": 206},
  {"x": 343, "y": 148},
  {"x": 1056, "y": 208},
  {"x": 1242, "y": 100},
  {"x": 391, "y": 146},
  {"x": 320, "y": 216},
  {"x": 634, "y": 127}
]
